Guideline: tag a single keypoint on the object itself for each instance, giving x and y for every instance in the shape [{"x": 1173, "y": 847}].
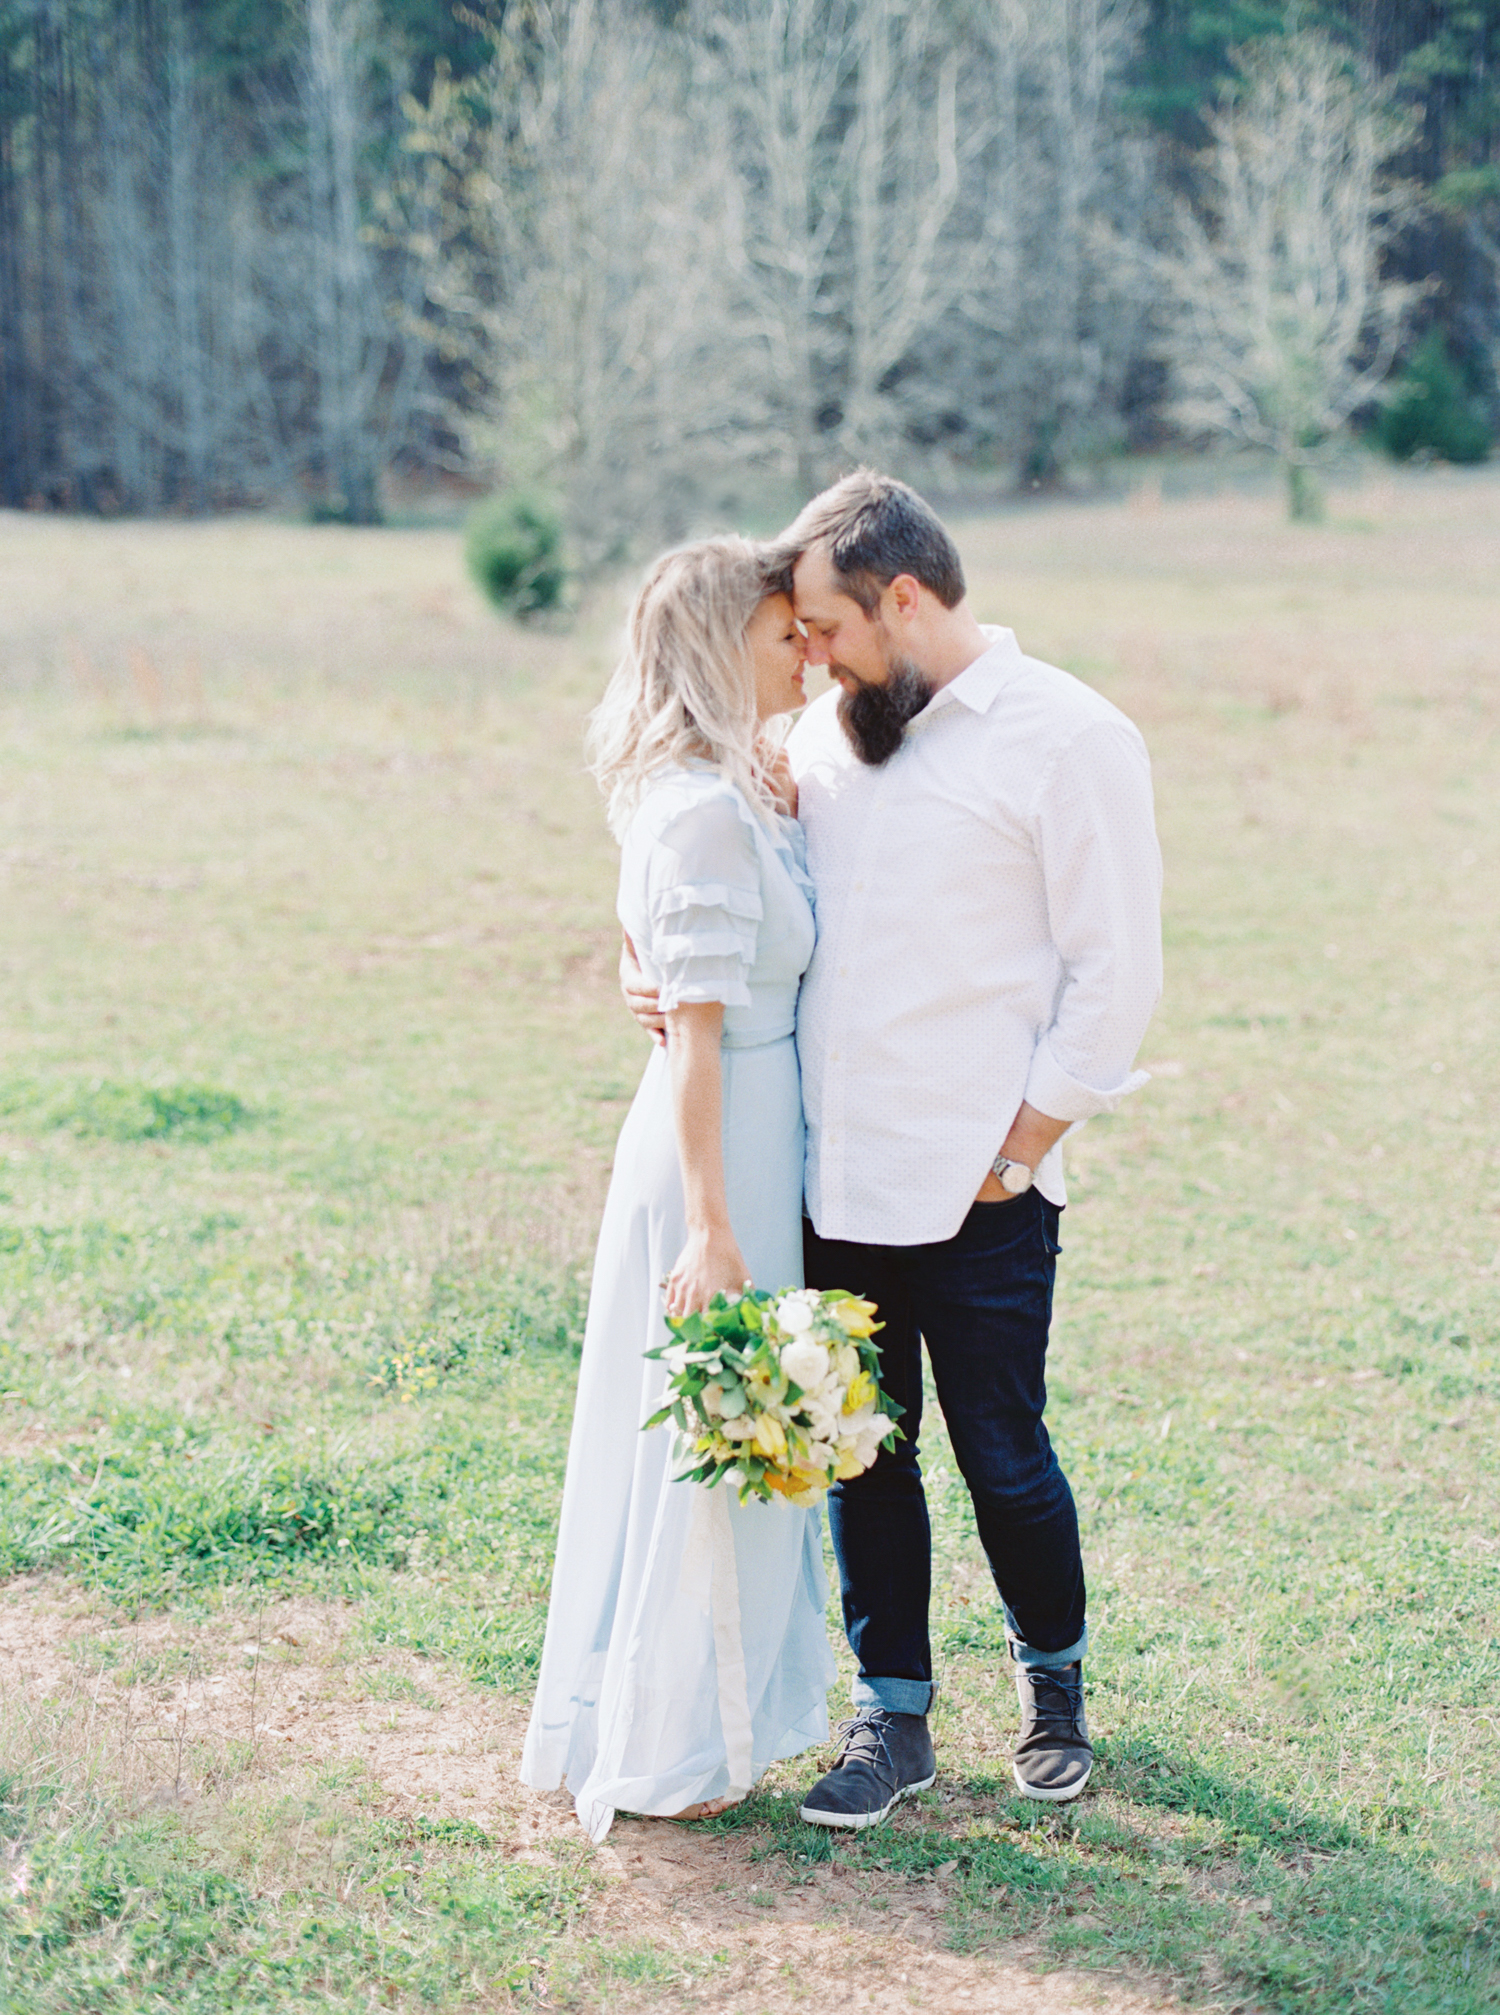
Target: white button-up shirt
[{"x": 989, "y": 930}]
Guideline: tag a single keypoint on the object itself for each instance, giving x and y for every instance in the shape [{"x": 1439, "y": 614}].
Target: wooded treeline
[{"x": 644, "y": 255}]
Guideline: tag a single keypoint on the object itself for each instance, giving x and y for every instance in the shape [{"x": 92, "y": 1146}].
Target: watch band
[{"x": 1014, "y": 1177}]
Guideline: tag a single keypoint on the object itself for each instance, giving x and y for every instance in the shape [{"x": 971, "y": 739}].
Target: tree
[
  {"x": 1080, "y": 195},
  {"x": 351, "y": 342},
  {"x": 852, "y": 141},
  {"x": 581, "y": 266},
  {"x": 781, "y": 69},
  {"x": 1283, "y": 324}
]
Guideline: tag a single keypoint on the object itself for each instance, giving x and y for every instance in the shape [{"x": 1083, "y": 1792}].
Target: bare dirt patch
[{"x": 185, "y": 1715}]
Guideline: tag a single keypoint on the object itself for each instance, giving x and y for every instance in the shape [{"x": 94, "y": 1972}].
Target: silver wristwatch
[{"x": 1014, "y": 1177}]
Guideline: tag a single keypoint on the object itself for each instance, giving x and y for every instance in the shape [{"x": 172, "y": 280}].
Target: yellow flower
[
  {"x": 855, "y": 1317},
  {"x": 762, "y": 1383},
  {"x": 770, "y": 1436},
  {"x": 848, "y": 1463},
  {"x": 860, "y": 1393},
  {"x": 802, "y": 1487}
]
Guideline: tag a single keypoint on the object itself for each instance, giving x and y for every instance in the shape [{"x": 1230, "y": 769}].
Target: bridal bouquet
[{"x": 778, "y": 1394}]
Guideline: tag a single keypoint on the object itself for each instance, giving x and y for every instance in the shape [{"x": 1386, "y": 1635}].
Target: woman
[{"x": 685, "y": 1646}]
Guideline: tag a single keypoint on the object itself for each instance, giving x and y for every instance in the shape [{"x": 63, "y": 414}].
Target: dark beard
[{"x": 875, "y": 717}]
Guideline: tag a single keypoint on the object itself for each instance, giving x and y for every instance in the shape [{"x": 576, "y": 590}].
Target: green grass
[
  {"x": 110, "y": 1111},
  {"x": 310, "y": 1065},
  {"x": 129, "y": 1915}
]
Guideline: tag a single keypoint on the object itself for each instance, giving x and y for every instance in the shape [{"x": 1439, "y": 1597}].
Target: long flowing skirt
[{"x": 639, "y": 1650}]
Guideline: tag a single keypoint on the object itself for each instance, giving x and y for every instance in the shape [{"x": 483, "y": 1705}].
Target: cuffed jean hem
[
  {"x": 896, "y": 1696},
  {"x": 1027, "y": 1654}
]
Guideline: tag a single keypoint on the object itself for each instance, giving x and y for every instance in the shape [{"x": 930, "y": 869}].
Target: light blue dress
[{"x": 686, "y": 1647}]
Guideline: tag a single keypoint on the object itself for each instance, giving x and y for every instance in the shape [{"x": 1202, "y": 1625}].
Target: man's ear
[{"x": 906, "y": 596}]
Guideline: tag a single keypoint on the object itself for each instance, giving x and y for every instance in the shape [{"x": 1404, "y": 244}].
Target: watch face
[{"x": 1017, "y": 1178}]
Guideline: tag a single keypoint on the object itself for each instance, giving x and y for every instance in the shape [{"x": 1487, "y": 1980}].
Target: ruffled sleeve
[{"x": 704, "y": 901}]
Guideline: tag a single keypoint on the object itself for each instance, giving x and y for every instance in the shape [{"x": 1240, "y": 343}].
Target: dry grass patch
[{"x": 278, "y": 1753}]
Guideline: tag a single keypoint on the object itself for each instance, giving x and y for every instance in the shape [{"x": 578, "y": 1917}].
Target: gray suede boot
[
  {"x": 1053, "y": 1753},
  {"x": 884, "y": 1757}
]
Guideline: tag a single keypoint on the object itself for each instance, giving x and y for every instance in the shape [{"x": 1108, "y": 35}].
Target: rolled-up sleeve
[
  {"x": 1094, "y": 826},
  {"x": 703, "y": 892}
]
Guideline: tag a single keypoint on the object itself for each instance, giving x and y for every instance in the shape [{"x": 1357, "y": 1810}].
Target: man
[{"x": 981, "y": 840}]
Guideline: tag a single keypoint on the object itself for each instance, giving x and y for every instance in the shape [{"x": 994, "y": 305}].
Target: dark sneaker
[
  {"x": 1053, "y": 1753},
  {"x": 883, "y": 1758}
]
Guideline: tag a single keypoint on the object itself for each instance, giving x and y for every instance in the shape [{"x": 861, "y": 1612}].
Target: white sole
[
  {"x": 1065, "y": 1797},
  {"x": 853, "y": 1821}
]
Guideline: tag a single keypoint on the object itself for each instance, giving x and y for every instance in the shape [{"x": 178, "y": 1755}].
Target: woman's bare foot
[{"x": 707, "y": 1808}]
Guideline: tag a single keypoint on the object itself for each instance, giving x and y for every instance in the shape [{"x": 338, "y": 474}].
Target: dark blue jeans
[{"x": 982, "y": 1301}]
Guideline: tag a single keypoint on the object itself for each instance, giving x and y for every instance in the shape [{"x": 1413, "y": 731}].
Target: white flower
[
  {"x": 805, "y": 1362},
  {"x": 711, "y": 1399},
  {"x": 869, "y": 1438},
  {"x": 822, "y": 1455},
  {"x": 675, "y": 1358},
  {"x": 866, "y": 1429},
  {"x": 739, "y": 1429},
  {"x": 824, "y": 1411},
  {"x": 794, "y": 1315}
]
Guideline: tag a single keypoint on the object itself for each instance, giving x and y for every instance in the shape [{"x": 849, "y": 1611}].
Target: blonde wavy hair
[{"x": 685, "y": 688}]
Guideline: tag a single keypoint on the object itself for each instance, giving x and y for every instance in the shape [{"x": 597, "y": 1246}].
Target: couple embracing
[{"x": 895, "y": 961}]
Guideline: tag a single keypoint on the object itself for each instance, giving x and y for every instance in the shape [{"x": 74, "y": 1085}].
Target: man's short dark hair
[{"x": 876, "y": 528}]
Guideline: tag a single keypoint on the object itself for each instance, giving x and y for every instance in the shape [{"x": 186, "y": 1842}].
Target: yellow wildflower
[{"x": 861, "y": 1392}]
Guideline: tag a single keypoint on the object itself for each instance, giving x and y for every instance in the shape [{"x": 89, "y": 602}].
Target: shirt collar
[{"x": 977, "y": 684}]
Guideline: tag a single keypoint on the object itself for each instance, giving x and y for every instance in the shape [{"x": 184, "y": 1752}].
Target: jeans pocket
[
  {"x": 1051, "y": 1226},
  {"x": 996, "y": 1229}
]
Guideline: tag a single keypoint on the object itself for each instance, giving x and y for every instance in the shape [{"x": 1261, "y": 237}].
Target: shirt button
[
  {"x": 859, "y": 888},
  {"x": 843, "y": 972},
  {"x": 833, "y": 1056}
]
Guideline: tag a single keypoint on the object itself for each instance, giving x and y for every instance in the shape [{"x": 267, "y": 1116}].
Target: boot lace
[
  {"x": 864, "y": 1741},
  {"x": 1055, "y": 1699}
]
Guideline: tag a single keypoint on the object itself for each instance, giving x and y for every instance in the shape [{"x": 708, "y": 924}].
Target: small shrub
[
  {"x": 514, "y": 553},
  {"x": 1432, "y": 411}
]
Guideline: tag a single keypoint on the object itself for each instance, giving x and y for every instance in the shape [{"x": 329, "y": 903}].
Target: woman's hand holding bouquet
[{"x": 778, "y": 1394}]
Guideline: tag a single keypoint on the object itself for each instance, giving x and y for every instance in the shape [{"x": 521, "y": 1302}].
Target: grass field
[{"x": 310, "y": 1065}]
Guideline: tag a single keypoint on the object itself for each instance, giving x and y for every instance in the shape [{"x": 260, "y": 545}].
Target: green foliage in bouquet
[{"x": 778, "y": 1394}]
